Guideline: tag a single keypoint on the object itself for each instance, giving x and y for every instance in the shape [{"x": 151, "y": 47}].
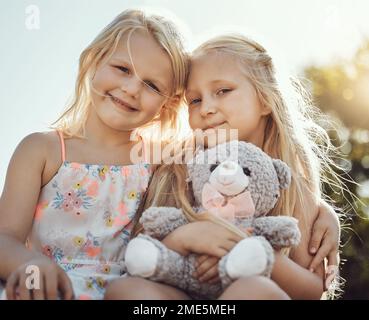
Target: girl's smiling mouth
[{"x": 122, "y": 104}]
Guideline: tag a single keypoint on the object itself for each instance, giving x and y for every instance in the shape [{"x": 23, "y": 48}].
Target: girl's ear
[
  {"x": 265, "y": 110},
  {"x": 283, "y": 173}
]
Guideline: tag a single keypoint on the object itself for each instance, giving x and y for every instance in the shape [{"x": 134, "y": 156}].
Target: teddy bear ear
[{"x": 283, "y": 173}]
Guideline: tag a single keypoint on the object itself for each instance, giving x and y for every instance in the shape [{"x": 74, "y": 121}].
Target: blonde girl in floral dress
[{"x": 70, "y": 195}]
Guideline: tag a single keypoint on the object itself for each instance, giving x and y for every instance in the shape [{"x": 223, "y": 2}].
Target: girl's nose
[
  {"x": 132, "y": 86},
  {"x": 207, "y": 107}
]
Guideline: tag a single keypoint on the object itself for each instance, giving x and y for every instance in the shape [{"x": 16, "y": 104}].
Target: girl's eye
[
  {"x": 223, "y": 91},
  {"x": 123, "y": 69},
  {"x": 194, "y": 101},
  {"x": 152, "y": 86}
]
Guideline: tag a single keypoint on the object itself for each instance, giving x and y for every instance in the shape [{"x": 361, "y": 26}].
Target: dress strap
[{"x": 62, "y": 144}]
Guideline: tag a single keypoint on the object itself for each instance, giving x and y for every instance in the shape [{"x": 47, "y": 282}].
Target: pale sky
[{"x": 38, "y": 66}]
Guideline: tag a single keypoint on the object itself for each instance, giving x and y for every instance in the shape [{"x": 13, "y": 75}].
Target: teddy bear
[{"x": 235, "y": 181}]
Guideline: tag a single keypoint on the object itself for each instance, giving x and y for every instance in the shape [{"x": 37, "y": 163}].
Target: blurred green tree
[{"x": 342, "y": 91}]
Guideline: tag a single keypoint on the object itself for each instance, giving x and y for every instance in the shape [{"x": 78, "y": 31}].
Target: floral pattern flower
[
  {"x": 132, "y": 195},
  {"x": 78, "y": 241}
]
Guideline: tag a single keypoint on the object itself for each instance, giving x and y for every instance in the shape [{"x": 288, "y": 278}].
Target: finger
[
  {"x": 218, "y": 252},
  {"x": 11, "y": 285},
  {"x": 211, "y": 273},
  {"x": 235, "y": 238},
  {"x": 38, "y": 290},
  {"x": 24, "y": 292},
  {"x": 214, "y": 280},
  {"x": 249, "y": 231},
  {"x": 319, "y": 257},
  {"x": 65, "y": 286},
  {"x": 228, "y": 245},
  {"x": 201, "y": 259},
  {"x": 332, "y": 272},
  {"x": 316, "y": 239},
  {"x": 206, "y": 265},
  {"x": 333, "y": 258},
  {"x": 51, "y": 287}
]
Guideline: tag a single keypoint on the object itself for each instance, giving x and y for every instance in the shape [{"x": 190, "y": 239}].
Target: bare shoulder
[
  {"x": 35, "y": 138},
  {"x": 33, "y": 146},
  {"x": 51, "y": 140},
  {"x": 53, "y": 158},
  {"x": 41, "y": 149},
  {"x": 36, "y": 148},
  {"x": 41, "y": 143}
]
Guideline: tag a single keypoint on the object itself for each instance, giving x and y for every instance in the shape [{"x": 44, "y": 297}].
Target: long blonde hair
[
  {"x": 72, "y": 121},
  {"x": 292, "y": 134}
]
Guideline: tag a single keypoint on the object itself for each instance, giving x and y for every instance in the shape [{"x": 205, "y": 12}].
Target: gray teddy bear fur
[{"x": 147, "y": 257}]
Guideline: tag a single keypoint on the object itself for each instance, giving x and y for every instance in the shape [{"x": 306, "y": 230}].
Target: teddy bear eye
[
  {"x": 246, "y": 171},
  {"x": 213, "y": 167}
]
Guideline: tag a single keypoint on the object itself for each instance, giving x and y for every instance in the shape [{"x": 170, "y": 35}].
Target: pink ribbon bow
[{"x": 238, "y": 206}]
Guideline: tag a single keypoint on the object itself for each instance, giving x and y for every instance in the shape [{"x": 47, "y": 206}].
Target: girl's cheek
[
  {"x": 153, "y": 104},
  {"x": 195, "y": 125},
  {"x": 103, "y": 77}
]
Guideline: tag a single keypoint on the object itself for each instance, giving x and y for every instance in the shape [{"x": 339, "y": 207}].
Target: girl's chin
[
  {"x": 212, "y": 141},
  {"x": 213, "y": 137}
]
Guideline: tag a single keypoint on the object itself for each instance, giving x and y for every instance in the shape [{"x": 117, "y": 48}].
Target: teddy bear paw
[
  {"x": 141, "y": 257},
  {"x": 247, "y": 258}
]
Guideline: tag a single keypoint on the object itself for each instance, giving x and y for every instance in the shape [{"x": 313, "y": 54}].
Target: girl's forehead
[
  {"x": 213, "y": 54},
  {"x": 141, "y": 50},
  {"x": 215, "y": 60},
  {"x": 214, "y": 65},
  {"x": 141, "y": 44}
]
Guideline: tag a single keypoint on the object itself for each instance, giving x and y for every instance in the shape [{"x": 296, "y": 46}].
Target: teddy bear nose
[
  {"x": 229, "y": 165},
  {"x": 227, "y": 172}
]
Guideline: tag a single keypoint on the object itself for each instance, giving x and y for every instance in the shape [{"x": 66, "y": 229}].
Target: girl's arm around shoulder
[
  {"x": 19, "y": 198},
  {"x": 292, "y": 274}
]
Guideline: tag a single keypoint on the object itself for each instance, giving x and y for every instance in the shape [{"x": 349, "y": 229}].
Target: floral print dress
[{"x": 83, "y": 221}]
